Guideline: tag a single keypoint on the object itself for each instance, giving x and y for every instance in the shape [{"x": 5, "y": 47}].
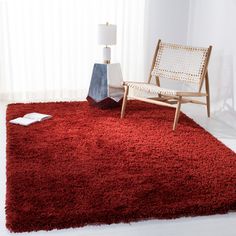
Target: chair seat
[{"x": 151, "y": 88}]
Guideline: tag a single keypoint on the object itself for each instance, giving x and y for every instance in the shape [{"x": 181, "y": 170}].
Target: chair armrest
[{"x": 191, "y": 94}]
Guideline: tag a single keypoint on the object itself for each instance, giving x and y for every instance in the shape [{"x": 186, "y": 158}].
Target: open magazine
[{"x": 30, "y": 118}]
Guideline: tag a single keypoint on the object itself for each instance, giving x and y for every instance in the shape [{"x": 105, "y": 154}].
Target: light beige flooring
[{"x": 222, "y": 125}]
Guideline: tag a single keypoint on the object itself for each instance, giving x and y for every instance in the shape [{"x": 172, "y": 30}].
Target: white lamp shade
[{"x": 106, "y": 34}]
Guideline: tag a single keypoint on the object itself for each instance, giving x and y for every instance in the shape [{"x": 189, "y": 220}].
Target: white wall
[{"x": 214, "y": 22}]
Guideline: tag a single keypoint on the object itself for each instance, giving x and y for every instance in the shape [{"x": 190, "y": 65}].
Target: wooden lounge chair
[{"x": 175, "y": 62}]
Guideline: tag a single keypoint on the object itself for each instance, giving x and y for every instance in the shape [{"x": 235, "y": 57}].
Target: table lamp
[{"x": 106, "y": 36}]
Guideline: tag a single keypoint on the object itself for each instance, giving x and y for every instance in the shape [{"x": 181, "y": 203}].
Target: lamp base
[
  {"x": 106, "y": 61},
  {"x": 107, "y": 55}
]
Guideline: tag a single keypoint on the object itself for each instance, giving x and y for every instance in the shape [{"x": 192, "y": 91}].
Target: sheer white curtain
[{"x": 48, "y": 47}]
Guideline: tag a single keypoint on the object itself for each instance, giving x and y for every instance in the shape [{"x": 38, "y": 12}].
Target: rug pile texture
[{"x": 88, "y": 166}]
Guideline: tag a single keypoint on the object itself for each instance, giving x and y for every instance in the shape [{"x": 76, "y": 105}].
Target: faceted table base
[
  {"x": 106, "y": 90},
  {"x": 105, "y": 103}
]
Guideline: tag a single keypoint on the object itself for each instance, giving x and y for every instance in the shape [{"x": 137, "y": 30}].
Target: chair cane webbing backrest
[{"x": 180, "y": 62}]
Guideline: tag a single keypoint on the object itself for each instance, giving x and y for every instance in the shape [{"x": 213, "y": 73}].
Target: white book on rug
[
  {"x": 37, "y": 116},
  {"x": 30, "y": 118}
]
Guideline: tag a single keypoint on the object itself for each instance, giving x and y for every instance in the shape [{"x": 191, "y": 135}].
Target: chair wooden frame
[{"x": 175, "y": 101}]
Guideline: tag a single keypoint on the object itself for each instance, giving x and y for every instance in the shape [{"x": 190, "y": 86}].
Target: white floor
[{"x": 222, "y": 125}]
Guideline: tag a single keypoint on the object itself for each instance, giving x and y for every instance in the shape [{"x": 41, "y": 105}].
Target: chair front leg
[
  {"x": 124, "y": 102},
  {"x": 177, "y": 112}
]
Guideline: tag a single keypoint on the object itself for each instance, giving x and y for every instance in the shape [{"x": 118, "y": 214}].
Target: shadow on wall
[{"x": 222, "y": 88}]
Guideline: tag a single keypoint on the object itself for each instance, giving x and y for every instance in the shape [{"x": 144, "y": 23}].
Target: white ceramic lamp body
[
  {"x": 106, "y": 36},
  {"x": 107, "y": 55}
]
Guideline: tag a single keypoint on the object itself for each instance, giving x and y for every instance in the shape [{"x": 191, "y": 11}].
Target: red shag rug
[{"x": 87, "y": 166}]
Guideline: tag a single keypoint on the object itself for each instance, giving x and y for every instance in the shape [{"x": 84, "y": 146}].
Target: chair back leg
[
  {"x": 207, "y": 94},
  {"x": 124, "y": 102}
]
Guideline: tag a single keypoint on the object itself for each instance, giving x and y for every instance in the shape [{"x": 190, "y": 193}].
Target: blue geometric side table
[{"x": 106, "y": 90}]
